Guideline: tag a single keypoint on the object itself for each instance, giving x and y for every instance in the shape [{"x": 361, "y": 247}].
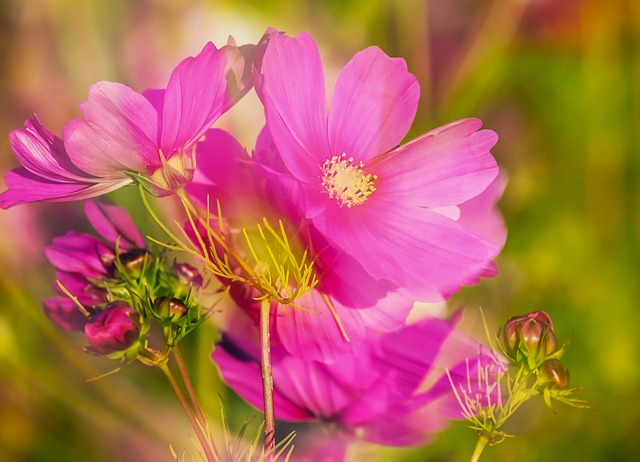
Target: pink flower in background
[
  {"x": 377, "y": 394},
  {"x": 81, "y": 258},
  {"x": 393, "y": 209},
  {"x": 126, "y": 136}
]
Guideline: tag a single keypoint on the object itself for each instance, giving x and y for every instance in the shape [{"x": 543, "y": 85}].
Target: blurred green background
[{"x": 559, "y": 80}]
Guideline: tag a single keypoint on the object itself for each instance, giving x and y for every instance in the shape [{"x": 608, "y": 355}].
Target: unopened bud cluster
[{"x": 530, "y": 340}]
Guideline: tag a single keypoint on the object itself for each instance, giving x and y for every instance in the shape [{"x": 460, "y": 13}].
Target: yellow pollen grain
[{"x": 345, "y": 181}]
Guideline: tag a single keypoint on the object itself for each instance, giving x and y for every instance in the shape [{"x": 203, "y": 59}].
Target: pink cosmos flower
[
  {"x": 393, "y": 209},
  {"x": 336, "y": 313},
  {"x": 379, "y": 394},
  {"x": 80, "y": 259},
  {"x": 126, "y": 136}
]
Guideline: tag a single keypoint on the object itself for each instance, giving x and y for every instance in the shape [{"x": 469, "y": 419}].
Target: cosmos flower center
[{"x": 345, "y": 181}]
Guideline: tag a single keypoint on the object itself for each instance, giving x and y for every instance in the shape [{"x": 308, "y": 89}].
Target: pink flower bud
[
  {"x": 188, "y": 275},
  {"x": 113, "y": 329},
  {"x": 554, "y": 372},
  {"x": 531, "y": 333}
]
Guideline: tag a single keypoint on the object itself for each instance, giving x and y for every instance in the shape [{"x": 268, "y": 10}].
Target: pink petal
[
  {"x": 226, "y": 173},
  {"x": 78, "y": 253},
  {"x": 293, "y": 94},
  {"x": 113, "y": 221},
  {"x": 25, "y": 187},
  {"x": 316, "y": 335},
  {"x": 43, "y": 154},
  {"x": 200, "y": 89},
  {"x": 374, "y": 103},
  {"x": 118, "y": 133},
  {"x": 64, "y": 312},
  {"x": 241, "y": 371},
  {"x": 481, "y": 215},
  {"x": 411, "y": 352},
  {"x": 423, "y": 252},
  {"x": 446, "y": 166}
]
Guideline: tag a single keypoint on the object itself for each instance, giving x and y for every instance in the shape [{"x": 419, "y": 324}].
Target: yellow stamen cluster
[{"x": 345, "y": 181}]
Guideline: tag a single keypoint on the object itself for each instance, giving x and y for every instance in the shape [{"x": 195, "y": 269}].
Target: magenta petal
[
  {"x": 118, "y": 133},
  {"x": 65, "y": 313},
  {"x": 200, "y": 89},
  {"x": 241, "y": 371},
  {"x": 481, "y": 215},
  {"x": 446, "y": 166},
  {"x": 441, "y": 168},
  {"x": 113, "y": 221},
  {"x": 78, "y": 253},
  {"x": 43, "y": 154},
  {"x": 388, "y": 314},
  {"x": 317, "y": 336},
  {"x": 293, "y": 94},
  {"x": 374, "y": 103},
  {"x": 411, "y": 352},
  {"x": 421, "y": 251},
  {"x": 24, "y": 187},
  {"x": 225, "y": 172}
]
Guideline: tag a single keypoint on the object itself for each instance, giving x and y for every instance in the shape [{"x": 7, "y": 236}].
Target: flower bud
[
  {"x": 135, "y": 260},
  {"x": 188, "y": 275},
  {"x": 530, "y": 333},
  {"x": 553, "y": 371},
  {"x": 171, "y": 308},
  {"x": 113, "y": 329}
]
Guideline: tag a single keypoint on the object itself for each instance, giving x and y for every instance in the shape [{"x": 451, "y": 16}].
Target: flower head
[
  {"x": 395, "y": 210},
  {"x": 126, "y": 136},
  {"x": 379, "y": 393}
]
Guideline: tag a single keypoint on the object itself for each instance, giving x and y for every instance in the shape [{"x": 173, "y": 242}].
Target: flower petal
[
  {"x": 201, "y": 89},
  {"x": 293, "y": 94},
  {"x": 446, "y": 166},
  {"x": 64, "y": 312},
  {"x": 113, "y": 221},
  {"x": 118, "y": 132},
  {"x": 374, "y": 103},
  {"x": 78, "y": 253},
  {"x": 241, "y": 371},
  {"x": 317, "y": 335},
  {"x": 423, "y": 252},
  {"x": 25, "y": 187},
  {"x": 43, "y": 154}
]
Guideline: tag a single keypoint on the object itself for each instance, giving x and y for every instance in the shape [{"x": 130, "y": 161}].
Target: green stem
[
  {"x": 197, "y": 428},
  {"x": 480, "y": 445},
  {"x": 267, "y": 382}
]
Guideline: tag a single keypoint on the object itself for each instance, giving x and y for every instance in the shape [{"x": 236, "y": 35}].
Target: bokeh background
[{"x": 559, "y": 80}]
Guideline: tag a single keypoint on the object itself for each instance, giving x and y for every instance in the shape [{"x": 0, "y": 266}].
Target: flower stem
[
  {"x": 267, "y": 381},
  {"x": 184, "y": 374},
  {"x": 197, "y": 428},
  {"x": 480, "y": 445}
]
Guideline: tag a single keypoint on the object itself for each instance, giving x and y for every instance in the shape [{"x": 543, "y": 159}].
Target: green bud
[
  {"x": 135, "y": 260},
  {"x": 170, "y": 308}
]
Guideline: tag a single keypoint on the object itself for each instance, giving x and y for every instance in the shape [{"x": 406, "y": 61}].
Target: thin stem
[
  {"x": 184, "y": 374},
  {"x": 267, "y": 382},
  {"x": 480, "y": 445},
  {"x": 189, "y": 412}
]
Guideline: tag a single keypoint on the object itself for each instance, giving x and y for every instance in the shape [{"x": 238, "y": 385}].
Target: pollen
[{"x": 345, "y": 181}]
